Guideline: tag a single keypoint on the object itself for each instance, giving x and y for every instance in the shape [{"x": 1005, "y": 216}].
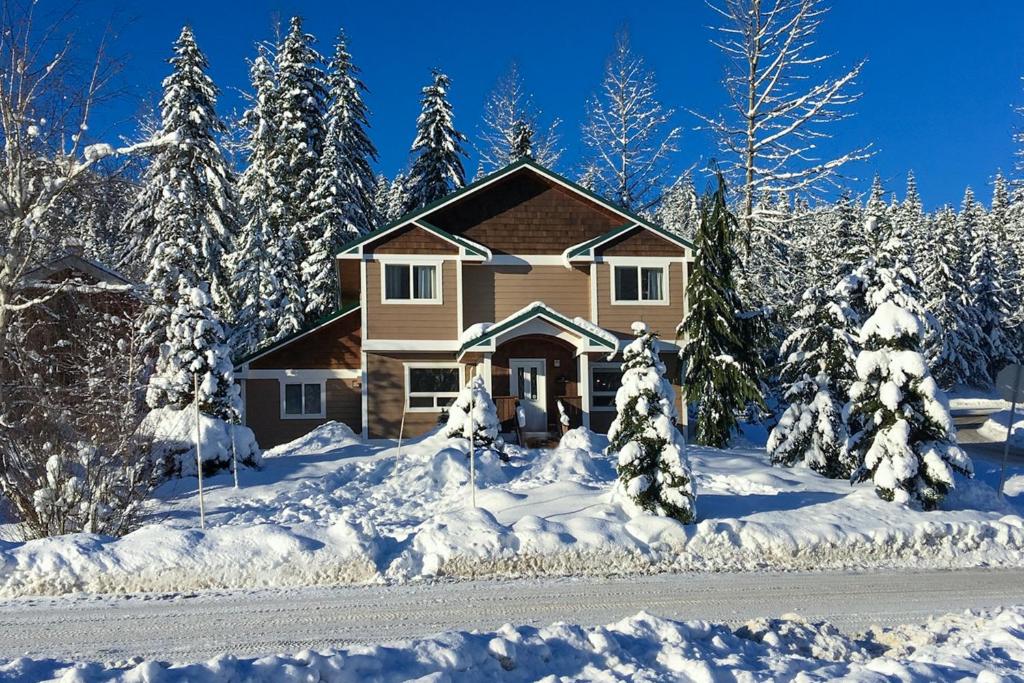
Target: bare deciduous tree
[
  {"x": 508, "y": 111},
  {"x": 626, "y": 134},
  {"x": 777, "y": 115}
]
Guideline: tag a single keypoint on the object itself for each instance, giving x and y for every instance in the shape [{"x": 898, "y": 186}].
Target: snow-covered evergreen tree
[
  {"x": 818, "y": 372},
  {"x": 878, "y": 218},
  {"x": 720, "y": 340},
  {"x": 986, "y": 300},
  {"x": 184, "y": 217},
  {"x": 475, "y": 401},
  {"x": 195, "y": 346},
  {"x": 653, "y": 469},
  {"x": 909, "y": 218},
  {"x": 437, "y": 149},
  {"x": 907, "y": 443},
  {"x": 679, "y": 210}
]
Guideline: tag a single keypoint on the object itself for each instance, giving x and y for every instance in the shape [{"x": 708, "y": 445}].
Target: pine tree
[
  {"x": 195, "y": 347},
  {"x": 907, "y": 443},
  {"x": 818, "y": 371},
  {"x": 986, "y": 298},
  {"x": 475, "y": 401},
  {"x": 720, "y": 339},
  {"x": 652, "y": 465},
  {"x": 679, "y": 210},
  {"x": 438, "y": 148},
  {"x": 878, "y": 218},
  {"x": 184, "y": 217},
  {"x": 909, "y": 217}
]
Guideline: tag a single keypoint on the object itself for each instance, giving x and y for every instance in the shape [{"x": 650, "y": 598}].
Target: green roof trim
[
  {"x": 320, "y": 322},
  {"x": 468, "y": 245},
  {"x": 583, "y": 248},
  {"x": 525, "y": 162},
  {"x": 534, "y": 312}
]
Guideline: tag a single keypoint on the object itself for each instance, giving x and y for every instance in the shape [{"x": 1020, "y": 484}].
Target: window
[
  {"x": 605, "y": 380},
  {"x": 639, "y": 284},
  {"x": 431, "y": 387},
  {"x": 412, "y": 283},
  {"x": 302, "y": 400}
]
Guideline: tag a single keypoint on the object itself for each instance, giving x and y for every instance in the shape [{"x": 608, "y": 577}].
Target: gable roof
[
  {"x": 102, "y": 274},
  {"x": 469, "y": 247},
  {"x": 587, "y": 250},
  {"x": 480, "y": 334},
  {"x": 295, "y": 336},
  {"x": 524, "y": 163}
]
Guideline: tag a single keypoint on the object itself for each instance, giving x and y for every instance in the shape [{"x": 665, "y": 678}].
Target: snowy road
[{"x": 264, "y": 622}]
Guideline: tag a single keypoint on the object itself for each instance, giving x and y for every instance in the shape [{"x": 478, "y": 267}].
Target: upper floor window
[
  {"x": 411, "y": 283},
  {"x": 639, "y": 284}
]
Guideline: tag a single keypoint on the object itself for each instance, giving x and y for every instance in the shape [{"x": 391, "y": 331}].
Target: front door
[{"x": 528, "y": 385}]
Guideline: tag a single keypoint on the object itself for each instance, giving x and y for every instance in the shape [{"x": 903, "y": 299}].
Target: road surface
[{"x": 183, "y": 628}]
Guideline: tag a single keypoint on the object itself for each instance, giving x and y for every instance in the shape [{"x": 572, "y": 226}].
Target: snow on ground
[
  {"x": 981, "y": 646},
  {"x": 329, "y": 508},
  {"x": 994, "y": 428},
  {"x": 967, "y": 398}
]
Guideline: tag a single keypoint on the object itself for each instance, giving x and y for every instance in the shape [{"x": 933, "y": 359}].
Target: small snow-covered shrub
[
  {"x": 474, "y": 401},
  {"x": 652, "y": 464},
  {"x": 173, "y": 435},
  {"x": 580, "y": 438}
]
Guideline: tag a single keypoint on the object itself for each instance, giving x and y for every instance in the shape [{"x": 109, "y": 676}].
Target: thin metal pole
[
  {"x": 1009, "y": 428},
  {"x": 199, "y": 452},
  {"x": 234, "y": 454},
  {"x": 472, "y": 455},
  {"x": 401, "y": 430}
]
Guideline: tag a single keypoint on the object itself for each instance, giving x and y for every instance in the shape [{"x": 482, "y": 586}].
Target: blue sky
[{"x": 938, "y": 87}]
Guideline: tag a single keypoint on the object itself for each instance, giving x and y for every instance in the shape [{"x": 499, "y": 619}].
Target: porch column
[
  {"x": 487, "y": 373},
  {"x": 584, "y": 385}
]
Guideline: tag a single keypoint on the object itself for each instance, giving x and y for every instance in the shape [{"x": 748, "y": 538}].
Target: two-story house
[{"x": 522, "y": 276}]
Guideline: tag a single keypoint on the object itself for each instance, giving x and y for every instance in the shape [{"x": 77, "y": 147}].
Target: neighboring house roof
[
  {"x": 586, "y": 251},
  {"x": 308, "y": 329},
  {"x": 524, "y": 163},
  {"x": 104, "y": 276},
  {"x": 482, "y": 335}
]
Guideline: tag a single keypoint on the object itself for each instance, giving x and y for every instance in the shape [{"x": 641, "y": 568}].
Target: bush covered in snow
[
  {"x": 474, "y": 406},
  {"x": 652, "y": 464},
  {"x": 173, "y": 435}
]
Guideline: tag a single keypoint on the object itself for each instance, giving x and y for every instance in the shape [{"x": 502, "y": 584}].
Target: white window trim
[
  {"x": 300, "y": 380},
  {"x": 438, "y": 298},
  {"x": 666, "y": 298},
  {"x": 438, "y": 364},
  {"x": 596, "y": 366}
]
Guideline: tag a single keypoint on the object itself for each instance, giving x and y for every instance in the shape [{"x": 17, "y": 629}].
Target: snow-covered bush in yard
[
  {"x": 819, "y": 370},
  {"x": 652, "y": 465},
  {"x": 906, "y": 444},
  {"x": 475, "y": 401},
  {"x": 173, "y": 434}
]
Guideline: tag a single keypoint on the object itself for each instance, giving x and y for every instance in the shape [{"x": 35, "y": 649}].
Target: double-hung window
[
  {"x": 638, "y": 284},
  {"x": 605, "y": 380},
  {"x": 411, "y": 283},
  {"x": 431, "y": 387},
  {"x": 302, "y": 400}
]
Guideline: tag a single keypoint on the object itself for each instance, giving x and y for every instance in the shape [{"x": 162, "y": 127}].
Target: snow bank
[
  {"x": 994, "y": 428},
  {"x": 982, "y": 646}
]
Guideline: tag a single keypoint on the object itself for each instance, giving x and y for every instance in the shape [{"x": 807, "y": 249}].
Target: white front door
[{"x": 528, "y": 385}]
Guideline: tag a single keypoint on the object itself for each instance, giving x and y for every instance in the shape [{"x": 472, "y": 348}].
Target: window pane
[
  {"x": 396, "y": 281},
  {"x": 312, "y": 395},
  {"x": 533, "y": 383},
  {"x": 421, "y": 401},
  {"x": 423, "y": 282},
  {"x": 651, "y": 283},
  {"x": 293, "y": 399},
  {"x": 521, "y": 382},
  {"x": 434, "y": 380},
  {"x": 445, "y": 401},
  {"x": 626, "y": 284},
  {"x": 607, "y": 380},
  {"x": 605, "y": 401}
]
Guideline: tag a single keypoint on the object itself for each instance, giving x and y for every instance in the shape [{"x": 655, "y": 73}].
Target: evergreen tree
[
  {"x": 818, "y": 372},
  {"x": 720, "y": 339},
  {"x": 679, "y": 210},
  {"x": 908, "y": 217},
  {"x": 878, "y": 219},
  {"x": 438, "y": 148},
  {"x": 475, "y": 401},
  {"x": 906, "y": 444},
  {"x": 986, "y": 301},
  {"x": 195, "y": 347},
  {"x": 652, "y": 464},
  {"x": 184, "y": 215}
]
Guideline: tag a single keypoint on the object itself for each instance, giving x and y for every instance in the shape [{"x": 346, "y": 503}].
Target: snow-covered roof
[
  {"x": 587, "y": 251},
  {"x": 106, "y": 278},
  {"x": 483, "y": 336}
]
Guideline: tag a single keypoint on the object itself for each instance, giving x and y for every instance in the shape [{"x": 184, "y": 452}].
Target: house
[{"x": 523, "y": 276}]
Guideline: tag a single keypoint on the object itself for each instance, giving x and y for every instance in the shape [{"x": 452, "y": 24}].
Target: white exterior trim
[
  {"x": 665, "y": 300},
  {"x": 458, "y": 297},
  {"x": 411, "y": 365},
  {"x": 410, "y": 345},
  {"x": 487, "y": 373},
  {"x": 584, "y": 388},
  {"x": 593, "y": 293},
  {"x": 364, "y": 396},
  {"x": 362, "y": 303},
  {"x": 299, "y": 375},
  {"x": 436, "y": 300},
  {"x": 525, "y": 260}
]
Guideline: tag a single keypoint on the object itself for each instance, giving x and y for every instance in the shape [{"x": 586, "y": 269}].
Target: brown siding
[
  {"x": 618, "y": 318},
  {"x": 263, "y": 410},
  {"x": 334, "y": 346},
  {"x": 413, "y": 321},
  {"x": 349, "y": 280},
  {"x": 385, "y": 377},
  {"x": 641, "y": 242},
  {"x": 411, "y": 240},
  {"x": 495, "y": 292},
  {"x": 526, "y": 214}
]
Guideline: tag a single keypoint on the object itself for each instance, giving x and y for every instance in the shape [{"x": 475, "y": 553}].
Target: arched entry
[{"x": 538, "y": 370}]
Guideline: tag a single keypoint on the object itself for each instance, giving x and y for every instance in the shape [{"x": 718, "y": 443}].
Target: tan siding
[
  {"x": 495, "y": 292},
  {"x": 263, "y": 410},
  {"x": 412, "y": 321},
  {"x": 641, "y": 242},
  {"x": 334, "y": 346},
  {"x": 385, "y": 376},
  {"x": 618, "y": 318}
]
